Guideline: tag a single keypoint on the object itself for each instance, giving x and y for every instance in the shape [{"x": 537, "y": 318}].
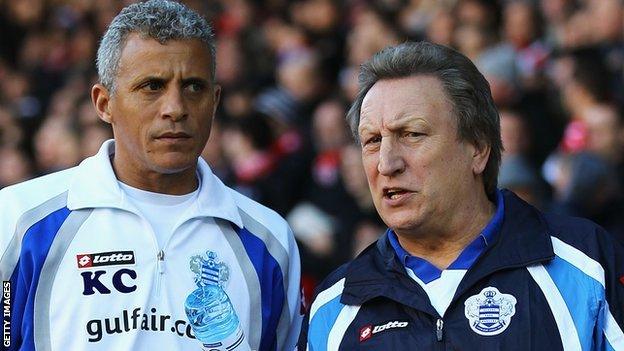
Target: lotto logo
[
  {"x": 113, "y": 258},
  {"x": 389, "y": 325},
  {"x": 84, "y": 261},
  {"x": 368, "y": 331}
]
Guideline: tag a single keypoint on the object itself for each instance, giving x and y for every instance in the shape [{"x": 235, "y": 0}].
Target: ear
[
  {"x": 480, "y": 157},
  {"x": 100, "y": 97},
  {"x": 216, "y": 98}
]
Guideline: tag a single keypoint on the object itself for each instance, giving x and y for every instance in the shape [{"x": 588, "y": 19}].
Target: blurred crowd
[{"x": 289, "y": 71}]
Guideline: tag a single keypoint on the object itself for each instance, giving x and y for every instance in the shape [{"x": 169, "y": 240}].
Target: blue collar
[{"x": 427, "y": 272}]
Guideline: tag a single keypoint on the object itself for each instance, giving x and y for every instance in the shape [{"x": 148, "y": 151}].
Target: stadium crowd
[{"x": 289, "y": 71}]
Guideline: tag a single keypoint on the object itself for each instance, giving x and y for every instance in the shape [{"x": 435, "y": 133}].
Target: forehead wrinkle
[
  {"x": 402, "y": 119},
  {"x": 380, "y": 110},
  {"x": 374, "y": 105}
]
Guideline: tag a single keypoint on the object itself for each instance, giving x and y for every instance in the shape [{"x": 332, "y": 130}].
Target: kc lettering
[{"x": 93, "y": 281}]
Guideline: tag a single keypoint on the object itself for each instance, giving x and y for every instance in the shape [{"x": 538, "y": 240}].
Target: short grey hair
[
  {"x": 162, "y": 20},
  {"x": 478, "y": 121}
]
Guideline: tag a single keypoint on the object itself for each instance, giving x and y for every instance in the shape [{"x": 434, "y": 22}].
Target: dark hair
[{"x": 477, "y": 118}]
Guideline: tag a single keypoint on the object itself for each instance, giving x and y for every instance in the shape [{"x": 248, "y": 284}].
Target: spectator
[
  {"x": 587, "y": 187},
  {"x": 14, "y": 166},
  {"x": 516, "y": 172}
]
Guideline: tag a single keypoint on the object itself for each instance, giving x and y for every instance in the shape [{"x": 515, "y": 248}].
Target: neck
[
  {"x": 178, "y": 183},
  {"x": 441, "y": 246}
]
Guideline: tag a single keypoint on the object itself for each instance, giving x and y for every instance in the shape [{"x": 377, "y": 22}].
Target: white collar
[{"x": 95, "y": 186}]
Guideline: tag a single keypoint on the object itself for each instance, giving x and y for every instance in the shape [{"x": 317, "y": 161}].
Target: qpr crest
[{"x": 489, "y": 313}]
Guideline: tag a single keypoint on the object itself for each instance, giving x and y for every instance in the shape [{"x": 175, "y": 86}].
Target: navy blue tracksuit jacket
[{"x": 546, "y": 283}]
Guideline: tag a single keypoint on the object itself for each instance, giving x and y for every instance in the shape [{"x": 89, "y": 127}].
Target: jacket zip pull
[
  {"x": 439, "y": 327},
  {"x": 161, "y": 270},
  {"x": 161, "y": 259}
]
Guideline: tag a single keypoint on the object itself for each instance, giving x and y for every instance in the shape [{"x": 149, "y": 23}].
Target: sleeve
[
  {"x": 306, "y": 341},
  {"x": 609, "y": 333},
  {"x": 293, "y": 292}
]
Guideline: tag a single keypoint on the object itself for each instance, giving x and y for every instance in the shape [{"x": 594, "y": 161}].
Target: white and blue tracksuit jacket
[
  {"x": 546, "y": 283},
  {"x": 82, "y": 270}
]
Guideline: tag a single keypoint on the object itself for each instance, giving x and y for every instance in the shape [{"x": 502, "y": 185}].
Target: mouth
[
  {"x": 172, "y": 135},
  {"x": 394, "y": 193}
]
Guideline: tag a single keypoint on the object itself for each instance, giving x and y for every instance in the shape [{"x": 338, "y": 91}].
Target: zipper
[
  {"x": 160, "y": 256},
  {"x": 439, "y": 329}
]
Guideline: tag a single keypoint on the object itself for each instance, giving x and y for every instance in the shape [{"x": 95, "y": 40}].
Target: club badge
[{"x": 489, "y": 313}]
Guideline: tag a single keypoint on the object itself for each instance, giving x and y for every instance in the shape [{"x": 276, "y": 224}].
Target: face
[
  {"x": 603, "y": 132},
  {"x": 418, "y": 170},
  {"x": 518, "y": 23},
  {"x": 162, "y": 107},
  {"x": 513, "y": 134}
]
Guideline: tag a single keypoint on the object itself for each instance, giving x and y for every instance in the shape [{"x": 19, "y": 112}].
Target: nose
[
  {"x": 173, "y": 105},
  {"x": 391, "y": 161}
]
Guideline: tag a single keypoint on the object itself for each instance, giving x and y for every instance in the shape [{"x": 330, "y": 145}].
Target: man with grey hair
[
  {"x": 141, "y": 247},
  {"x": 463, "y": 265}
]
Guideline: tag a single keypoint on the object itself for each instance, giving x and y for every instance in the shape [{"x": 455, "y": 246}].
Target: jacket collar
[
  {"x": 94, "y": 185},
  {"x": 523, "y": 240}
]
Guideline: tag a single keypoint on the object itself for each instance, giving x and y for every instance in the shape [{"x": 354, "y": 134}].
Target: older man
[
  {"x": 141, "y": 247},
  {"x": 463, "y": 266}
]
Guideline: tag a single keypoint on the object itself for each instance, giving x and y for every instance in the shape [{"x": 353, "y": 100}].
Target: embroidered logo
[
  {"x": 489, "y": 313},
  {"x": 84, "y": 261},
  {"x": 367, "y": 331},
  {"x": 112, "y": 258}
]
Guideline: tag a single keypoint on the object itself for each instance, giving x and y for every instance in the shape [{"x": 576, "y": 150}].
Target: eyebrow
[
  {"x": 185, "y": 81},
  {"x": 403, "y": 118},
  {"x": 198, "y": 80},
  {"x": 363, "y": 130},
  {"x": 141, "y": 80}
]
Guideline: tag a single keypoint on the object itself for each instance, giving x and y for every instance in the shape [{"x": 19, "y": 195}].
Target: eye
[
  {"x": 153, "y": 85},
  {"x": 372, "y": 140},
  {"x": 413, "y": 134},
  {"x": 195, "y": 87}
]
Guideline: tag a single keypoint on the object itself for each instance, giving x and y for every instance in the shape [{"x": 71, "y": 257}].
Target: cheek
[
  {"x": 205, "y": 127},
  {"x": 129, "y": 121}
]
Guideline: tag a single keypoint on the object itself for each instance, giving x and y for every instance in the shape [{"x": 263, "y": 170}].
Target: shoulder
[
  {"x": 579, "y": 233},
  {"x": 585, "y": 245},
  {"x": 32, "y": 193},
  {"x": 38, "y": 189},
  {"x": 361, "y": 268},
  {"x": 260, "y": 219},
  {"x": 576, "y": 233},
  {"x": 334, "y": 279},
  {"x": 328, "y": 294},
  {"x": 42, "y": 195}
]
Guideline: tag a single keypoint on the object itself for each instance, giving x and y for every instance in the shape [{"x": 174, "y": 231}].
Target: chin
[
  {"x": 402, "y": 224},
  {"x": 174, "y": 166}
]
